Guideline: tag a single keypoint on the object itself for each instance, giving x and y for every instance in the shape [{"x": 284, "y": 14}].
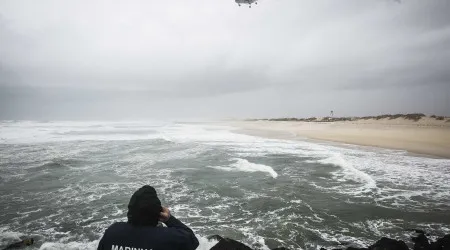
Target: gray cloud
[{"x": 202, "y": 58}]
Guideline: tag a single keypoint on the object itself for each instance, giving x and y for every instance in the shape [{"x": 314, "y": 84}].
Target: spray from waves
[
  {"x": 39, "y": 132},
  {"x": 246, "y": 166},
  {"x": 74, "y": 245},
  {"x": 349, "y": 170}
]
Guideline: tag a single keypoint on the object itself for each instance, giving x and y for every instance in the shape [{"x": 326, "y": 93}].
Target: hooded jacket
[{"x": 141, "y": 231}]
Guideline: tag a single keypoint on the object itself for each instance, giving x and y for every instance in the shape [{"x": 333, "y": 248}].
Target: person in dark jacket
[{"x": 141, "y": 232}]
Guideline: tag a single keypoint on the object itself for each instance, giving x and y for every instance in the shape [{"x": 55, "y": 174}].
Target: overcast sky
[{"x": 149, "y": 59}]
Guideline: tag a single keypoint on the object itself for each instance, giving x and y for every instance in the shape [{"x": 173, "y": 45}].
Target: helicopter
[{"x": 249, "y": 2}]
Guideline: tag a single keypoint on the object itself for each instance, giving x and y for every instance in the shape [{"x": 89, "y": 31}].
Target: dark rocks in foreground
[
  {"x": 227, "y": 244},
  {"x": 20, "y": 244},
  {"x": 383, "y": 244},
  {"x": 230, "y": 244},
  {"x": 420, "y": 241}
]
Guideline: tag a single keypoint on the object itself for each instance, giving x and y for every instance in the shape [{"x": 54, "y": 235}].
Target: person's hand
[{"x": 164, "y": 215}]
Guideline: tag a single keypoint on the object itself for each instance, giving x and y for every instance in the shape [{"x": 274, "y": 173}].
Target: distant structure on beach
[
  {"x": 332, "y": 113},
  {"x": 249, "y": 2}
]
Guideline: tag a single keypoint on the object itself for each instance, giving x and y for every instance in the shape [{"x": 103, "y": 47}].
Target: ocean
[{"x": 64, "y": 183}]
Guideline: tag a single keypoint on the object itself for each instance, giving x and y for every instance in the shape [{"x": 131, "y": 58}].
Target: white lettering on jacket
[{"x": 116, "y": 247}]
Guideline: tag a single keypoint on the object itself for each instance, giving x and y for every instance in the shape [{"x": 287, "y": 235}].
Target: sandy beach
[{"x": 427, "y": 136}]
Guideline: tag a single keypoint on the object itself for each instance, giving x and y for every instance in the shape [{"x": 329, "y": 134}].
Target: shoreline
[{"x": 422, "y": 139}]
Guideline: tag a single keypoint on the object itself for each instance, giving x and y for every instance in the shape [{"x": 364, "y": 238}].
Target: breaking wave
[
  {"x": 350, "y": 172},
  {"x": 246, "y": 166}
]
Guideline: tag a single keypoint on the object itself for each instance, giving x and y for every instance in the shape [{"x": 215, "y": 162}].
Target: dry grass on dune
[{"x": 411, "y": 117}]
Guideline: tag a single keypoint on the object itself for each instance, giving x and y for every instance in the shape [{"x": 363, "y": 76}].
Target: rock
[
  {"x": 21, "y": 244},
  {"x": 420, "y": 241},
  {"x": 441, "y": 244},
  {"x": 229, "y": 244},
  {"x": 389, "y": 244}
]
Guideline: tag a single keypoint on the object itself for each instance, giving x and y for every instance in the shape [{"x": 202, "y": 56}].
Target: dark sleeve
[
  {"x": 190, "y": 242},
  {"x": 101, "y": 243}
]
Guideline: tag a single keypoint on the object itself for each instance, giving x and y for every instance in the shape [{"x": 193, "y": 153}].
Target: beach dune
[{"x": 426, "y": 136}]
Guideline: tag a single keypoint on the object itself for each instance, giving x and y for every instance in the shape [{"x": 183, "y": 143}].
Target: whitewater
[{"x": 64, "y": 183}]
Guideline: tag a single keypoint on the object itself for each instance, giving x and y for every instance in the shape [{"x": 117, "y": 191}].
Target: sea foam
[{"x": 246, "y": 166}]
